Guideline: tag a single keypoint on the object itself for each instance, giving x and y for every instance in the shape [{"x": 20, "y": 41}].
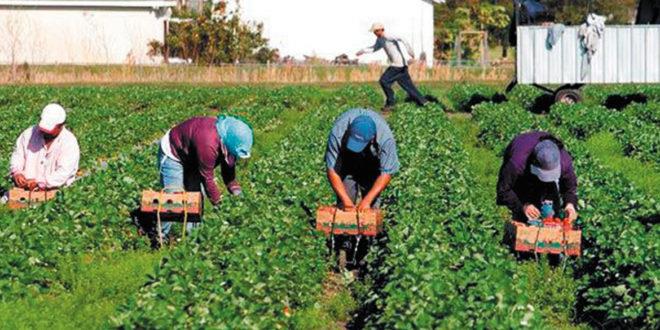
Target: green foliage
[
  {"x": 206, "y": 39},
  {"x": 465, "y": 96},
  {"x": 640, "y": 139},
  {"x": 456, "y": 16},
  {"x": 443, "y": 266},
  {"x": 96, "y": 284},
  {"x": 617, "y": 273}
]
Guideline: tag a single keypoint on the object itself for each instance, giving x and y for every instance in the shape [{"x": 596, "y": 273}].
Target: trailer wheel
[{"x": 568, "y": 96}]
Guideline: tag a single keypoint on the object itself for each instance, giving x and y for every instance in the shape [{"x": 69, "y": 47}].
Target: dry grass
[{"x": 231, "y": 74}]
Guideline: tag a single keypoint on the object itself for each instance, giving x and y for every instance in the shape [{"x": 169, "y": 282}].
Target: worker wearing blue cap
[
  {"x": 537, "y": 170},
  {"x": 361, "y": 158}
]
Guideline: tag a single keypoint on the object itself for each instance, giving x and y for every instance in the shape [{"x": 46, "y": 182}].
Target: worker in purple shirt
[
  {"x": 537, "y": 169},
  {"x": 190, "y": 152}
]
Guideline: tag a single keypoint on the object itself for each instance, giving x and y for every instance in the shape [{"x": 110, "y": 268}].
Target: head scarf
[{"x": 236, "y": 135}]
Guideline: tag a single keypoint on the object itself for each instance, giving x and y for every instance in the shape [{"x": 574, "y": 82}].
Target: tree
[{"x": 214, "y": 37}]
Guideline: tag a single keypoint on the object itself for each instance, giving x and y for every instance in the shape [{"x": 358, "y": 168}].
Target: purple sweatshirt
[
  {"x": 197, "y": 144},
  {"x": 517, "y": 186}
]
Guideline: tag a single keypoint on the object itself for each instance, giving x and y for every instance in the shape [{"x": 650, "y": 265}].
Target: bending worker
[
  {"x": 361, "y": 157},
  {"x": 190, "y": 152},
  {"x": 46, "y": 156},
  {"x": 537, "y": 170},
  {"x": 398, "y": 69}
]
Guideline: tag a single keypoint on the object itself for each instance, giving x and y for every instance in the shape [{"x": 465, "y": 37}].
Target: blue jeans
[{"x": 172, "y": 178}]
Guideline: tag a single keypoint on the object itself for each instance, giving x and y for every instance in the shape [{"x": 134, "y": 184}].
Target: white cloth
[
  {"x": 392, "y": 47},
  {"x": 590, "y": 34},
  {"x": 51, "y": 167},
  {"x": 167, "y": 148}
]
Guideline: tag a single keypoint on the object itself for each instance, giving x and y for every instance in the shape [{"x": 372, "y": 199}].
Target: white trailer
[{"x": 625, "y": 54}]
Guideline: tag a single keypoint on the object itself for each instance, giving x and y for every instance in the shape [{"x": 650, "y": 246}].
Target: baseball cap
[
  {"x": 548, "y": 160},
  {"x": 360, "y": 132},
  {"x": 377, "y": 26},
  {"x": 51, "y": 116}
]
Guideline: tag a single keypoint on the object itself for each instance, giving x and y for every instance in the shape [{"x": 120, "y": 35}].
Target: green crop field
[{"x": 257, "y": 261}]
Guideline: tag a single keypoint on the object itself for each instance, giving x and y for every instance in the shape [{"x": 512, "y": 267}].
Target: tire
[{"x": 568, "y": 96}]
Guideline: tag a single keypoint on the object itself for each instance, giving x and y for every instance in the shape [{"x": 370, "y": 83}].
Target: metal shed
[{"x": 626, "y": 54}]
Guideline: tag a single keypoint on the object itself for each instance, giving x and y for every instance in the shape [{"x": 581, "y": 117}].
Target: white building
[
  {"x": 327, "y": 29},
  {"x": 81, "y": 32}
]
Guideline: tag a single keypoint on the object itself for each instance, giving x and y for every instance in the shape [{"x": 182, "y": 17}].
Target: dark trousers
[
  {"x": 401, "y": 76},
  {"x": 359, "y": 185}
]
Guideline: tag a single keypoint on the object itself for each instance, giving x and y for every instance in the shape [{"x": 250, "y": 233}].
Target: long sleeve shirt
[
  {"x": 198, "y": 146},
  {"x": 392, "y": 47},
  {"x": 517, "y": 186},
  {"x": 51, "y": 167},
  {"x": 384, "y": 150}
]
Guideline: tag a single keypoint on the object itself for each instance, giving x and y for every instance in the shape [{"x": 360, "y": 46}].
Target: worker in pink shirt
[{"x": 46, "y": 156}]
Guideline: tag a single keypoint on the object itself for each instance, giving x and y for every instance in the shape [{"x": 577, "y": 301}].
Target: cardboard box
[
  {"x": 330, "y": 219},
  {"x": 552, "y": 240},
  {"x": 172, "y": 205},
  {"x": 21, "y": 198}
]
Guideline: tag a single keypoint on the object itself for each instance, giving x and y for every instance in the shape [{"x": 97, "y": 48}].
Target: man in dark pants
[
  {"x": 361, "y": 158},
  {"x": 398, "y": 69}
]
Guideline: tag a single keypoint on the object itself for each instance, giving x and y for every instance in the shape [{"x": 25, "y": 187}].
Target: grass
[
  {"x": 233, "y": 74},
  {"x": 99, "y": 283},
  {"x": 334, "y": 309},
  {"x": 550, "y": 288},
  {"x": 610, "y": 153}
]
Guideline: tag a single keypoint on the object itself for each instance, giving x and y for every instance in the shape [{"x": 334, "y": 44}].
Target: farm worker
[
  {"x": 537, "y": 168},
  {"x": 46, "y": 156},
  {"x": 398, "y": 69},
  {"x": 190, "y": 151},
  {"x": 361, "y": 157}
]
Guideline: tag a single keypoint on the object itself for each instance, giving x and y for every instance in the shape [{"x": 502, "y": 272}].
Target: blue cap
[
  {"x": 548, "y": 160},
  {"x": 360, "y": 132}
]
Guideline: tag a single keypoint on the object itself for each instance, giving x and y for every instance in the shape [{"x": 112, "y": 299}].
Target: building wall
[
  {"x": 56, "y": 35},
  {"x": 329, "y": 28}
]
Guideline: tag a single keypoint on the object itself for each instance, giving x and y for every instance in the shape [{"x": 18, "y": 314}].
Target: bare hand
[
  {"x": 531, "y": 212},
  {"x": 571, "y": 213},
  {"x": 20, "y": 181},
  {"x": 364, "y": 205},
  {"x": 360, "y": 53},
  {"x": 32, "y": 185},
  {"x": 348, "y": 205}
]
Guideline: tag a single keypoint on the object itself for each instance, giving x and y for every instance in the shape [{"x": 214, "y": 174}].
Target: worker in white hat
[
  {"x": 46, "y": 156},
  {"x": 398, "y": 69}
]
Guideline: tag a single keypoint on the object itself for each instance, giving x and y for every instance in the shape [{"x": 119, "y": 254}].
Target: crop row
[
  {"x": 95, "y": 213},
  {"x": 618, "y": 272},
  {"x": 257, "y": 262},
  {"x": 442, "y": 264},
  {"x": 639, "y": 137}
]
